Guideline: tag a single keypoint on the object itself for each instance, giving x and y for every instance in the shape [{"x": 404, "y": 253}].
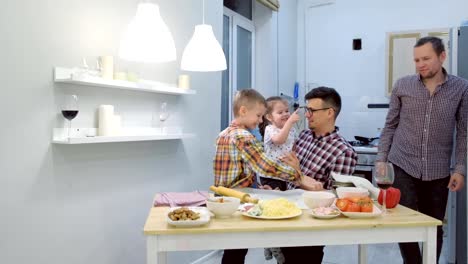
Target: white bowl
[
  {"x": 345, "y": 192},
  {"x": 224, "y": 209},
  {"x": 318, "y": 199}
]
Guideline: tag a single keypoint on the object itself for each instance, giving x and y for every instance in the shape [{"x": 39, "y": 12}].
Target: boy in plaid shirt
[{"x": 239, "y": 155}]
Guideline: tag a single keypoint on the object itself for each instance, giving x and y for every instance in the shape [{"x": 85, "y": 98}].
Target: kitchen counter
[{"x": 401, "y": 224}]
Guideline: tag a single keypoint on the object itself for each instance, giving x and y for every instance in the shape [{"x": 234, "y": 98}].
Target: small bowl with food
[
  {"x": 325, "y": 212},
  {"x": 188, "y": 216},
  {"x": 318, "y": 199},
  {"x": 223, "y": 206}
]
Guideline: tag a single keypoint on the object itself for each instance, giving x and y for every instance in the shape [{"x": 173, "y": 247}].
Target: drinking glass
[
  {"x": 163, "y": 116},
  {"x": 70, "y": 110},
  {"x": 384, "y": 177}
]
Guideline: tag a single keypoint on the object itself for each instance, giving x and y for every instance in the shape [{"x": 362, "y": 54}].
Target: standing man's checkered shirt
[
  {"x": 319, "y": 156},
  {"x": 419, "y": 130}
]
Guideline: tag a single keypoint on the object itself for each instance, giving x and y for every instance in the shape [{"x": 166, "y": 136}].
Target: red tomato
[
  {"x": 366, "y": 199},
  {"x": 354, "y": 199},
  {"x": 367, "y": 207},
  {"x": 353, "y": 207},
  {"x": 342, "y": 204}
]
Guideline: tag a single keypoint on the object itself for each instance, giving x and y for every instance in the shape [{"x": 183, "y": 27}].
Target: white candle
[
  {"x": 184, "y": 81},
  {"x": 106, "y": 120},
  {"x": 107, "y": 67}
]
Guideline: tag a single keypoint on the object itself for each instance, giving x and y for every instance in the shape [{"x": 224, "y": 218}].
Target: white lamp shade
[
  {"x": 203, "y": 52},
  {"x": 147, "y": 38}
]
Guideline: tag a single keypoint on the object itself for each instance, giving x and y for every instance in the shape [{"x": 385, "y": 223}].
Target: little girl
[{"x": 278, "y": 135}]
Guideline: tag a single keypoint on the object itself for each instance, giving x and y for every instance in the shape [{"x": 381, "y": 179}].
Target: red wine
[
  {"x": 384, "y": 185},
  {"x": 69, "y": 114}
]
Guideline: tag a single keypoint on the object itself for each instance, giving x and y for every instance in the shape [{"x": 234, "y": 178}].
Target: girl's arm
[{"x": 282, "y": 136}]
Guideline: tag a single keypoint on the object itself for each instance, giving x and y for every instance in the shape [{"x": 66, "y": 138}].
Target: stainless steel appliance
[{"x": 366, "y": 158}]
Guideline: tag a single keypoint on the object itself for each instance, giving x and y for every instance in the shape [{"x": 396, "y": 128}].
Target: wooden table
[{"x": 401, "y": 224}]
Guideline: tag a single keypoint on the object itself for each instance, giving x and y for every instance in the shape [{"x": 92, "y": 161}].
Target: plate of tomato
[{"x": 357, "y": 207}]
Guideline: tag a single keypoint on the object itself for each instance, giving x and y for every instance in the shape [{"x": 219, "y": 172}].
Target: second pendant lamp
[{"x": 203, "y": 52}]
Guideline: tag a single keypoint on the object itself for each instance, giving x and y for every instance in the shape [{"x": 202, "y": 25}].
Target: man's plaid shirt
[
  {"x": 419, "y": 129},
  {"x": 319, "y": 156},
  {"x": 240, "y": 158}
]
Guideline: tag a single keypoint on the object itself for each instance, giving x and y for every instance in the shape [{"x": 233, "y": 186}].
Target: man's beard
[{"x": 429, "y": 75}]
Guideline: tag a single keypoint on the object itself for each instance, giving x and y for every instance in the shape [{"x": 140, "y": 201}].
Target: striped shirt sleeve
[{"x": 391, "y": 124}]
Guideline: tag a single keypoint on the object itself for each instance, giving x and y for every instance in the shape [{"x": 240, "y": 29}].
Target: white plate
[
  {"x": 272, "y": 217},
  {"x": 204, "y": 217},
  {"x": 375, "y": 212},
  {"x": 329, "y": 216}
]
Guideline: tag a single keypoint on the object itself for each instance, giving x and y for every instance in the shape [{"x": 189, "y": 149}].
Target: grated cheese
[{"x": 278, "y": 207}]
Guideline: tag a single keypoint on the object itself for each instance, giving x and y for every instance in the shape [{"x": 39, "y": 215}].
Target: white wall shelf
[
  {"x": 89, "y": 135},
  {"x": 65, "y": 75}
]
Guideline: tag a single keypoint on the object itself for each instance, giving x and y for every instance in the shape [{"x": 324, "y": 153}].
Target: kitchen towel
[
  {"x": 358, "y": 182},
  {"x": 172, "y": 199}
]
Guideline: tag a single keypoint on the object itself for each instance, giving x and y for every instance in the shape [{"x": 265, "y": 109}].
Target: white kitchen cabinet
[
  {"x": 399, "y": 53},
  {"x": 128, "y": 134}
]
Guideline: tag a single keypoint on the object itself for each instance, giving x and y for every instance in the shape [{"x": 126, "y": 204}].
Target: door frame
[{"x": 236, "y": 20}]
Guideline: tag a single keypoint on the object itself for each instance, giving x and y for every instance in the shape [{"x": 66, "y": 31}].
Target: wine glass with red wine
[
  {"x": 70, "y": 110},
  {"x": 384, "y": 177}
]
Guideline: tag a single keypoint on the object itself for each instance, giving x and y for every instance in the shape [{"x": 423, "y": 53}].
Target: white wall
[
  {"x": 88, "y": 204},
  {"x": 359, "y": 76},
  {"x": 276, "y": 38}
]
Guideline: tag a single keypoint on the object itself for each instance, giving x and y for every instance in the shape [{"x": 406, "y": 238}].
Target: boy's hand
[
  {"x": 291, "y": 160},
  {"x": 266, "y": 187}
]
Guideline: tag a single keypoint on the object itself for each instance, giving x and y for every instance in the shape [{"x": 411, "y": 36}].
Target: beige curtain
[{"x": 273, "y": 4}]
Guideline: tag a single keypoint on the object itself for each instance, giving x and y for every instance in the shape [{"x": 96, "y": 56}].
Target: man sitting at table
[{"x": 320, "y": 150}]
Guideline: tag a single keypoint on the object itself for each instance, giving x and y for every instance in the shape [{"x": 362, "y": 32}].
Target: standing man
[
  {"x": 425, "y": 110},
  {"x": 320, "y": 150}
]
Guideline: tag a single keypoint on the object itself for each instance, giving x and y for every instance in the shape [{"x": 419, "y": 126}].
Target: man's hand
[
  {"x": 456, "y": 182},
  {"x": 310, "y": 184}
]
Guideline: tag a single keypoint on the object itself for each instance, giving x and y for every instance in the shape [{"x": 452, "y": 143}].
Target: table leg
[
  {"x": 430, "y": 246},
  {"x": 362, "y": 253},
  {"x": 153, "y": 256}
]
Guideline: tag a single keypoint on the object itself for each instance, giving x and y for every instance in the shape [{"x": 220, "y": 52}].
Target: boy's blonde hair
[{"x": 247, "y": 98}]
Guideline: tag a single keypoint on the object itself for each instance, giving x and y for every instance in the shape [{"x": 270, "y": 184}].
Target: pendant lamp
[
  {"x": 203, "y": 53},
  {"x": 147, "y": 38}
]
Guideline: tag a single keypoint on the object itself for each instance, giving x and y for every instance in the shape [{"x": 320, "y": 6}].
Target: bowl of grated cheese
[{"x": 279, "y": 208}]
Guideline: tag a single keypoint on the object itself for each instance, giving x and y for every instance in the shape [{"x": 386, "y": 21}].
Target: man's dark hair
[
  {"x": 330, "y": 97},
  {"x": 436, "y": 42}
]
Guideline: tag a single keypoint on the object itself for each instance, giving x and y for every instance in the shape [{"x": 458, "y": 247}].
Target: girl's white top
[{"x": 274, "y": 151}]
